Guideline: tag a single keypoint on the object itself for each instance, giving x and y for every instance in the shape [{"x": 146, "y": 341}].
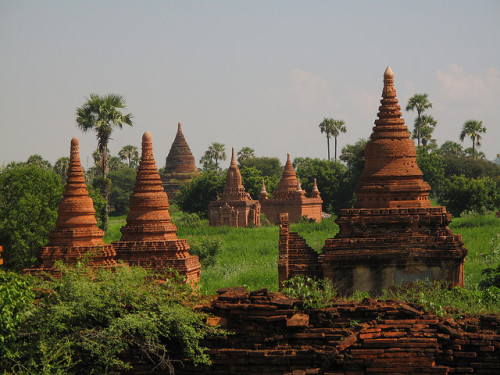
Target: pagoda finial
[
  {"x": 288, "y": 157},
  {"x": 315, "y": 190},
  {"x": 179, "y": 127},
  {"x": 299, "y": 186},
  {"x": 233, "y": 159}
]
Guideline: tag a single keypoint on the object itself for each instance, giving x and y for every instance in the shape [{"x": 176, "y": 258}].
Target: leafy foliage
[
  {"x": 267, "y": 166},
  {"x": 252, "y": 180},
  {"x": 29, "y": 197},
  {"x": 85, "y": 320},
  {"x": 207, "y": 248},
  {"x": 460, "y": 194},
  {"x": 314, "y": 294},
  {"x": 332, "y": 127},
  {"x": 210, "y": 159},
  {"x": 432, "y": 167},
  {"x": 123, "y": 181},
  {"x": 470, "y": 168},
  {"x": 195, "y": 196},
  {"x": 335, "y": 188}
]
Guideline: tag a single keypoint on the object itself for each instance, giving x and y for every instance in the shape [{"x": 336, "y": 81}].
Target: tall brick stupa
[
  {"x": 235, "y": 207},
  {"x": 76, "y": 234},
  {"x": 149, "y": 238},
  {"x": 179, "y": 166},
  {"x": 393, "y": 235},
  {"x": 290, "y": 198}
]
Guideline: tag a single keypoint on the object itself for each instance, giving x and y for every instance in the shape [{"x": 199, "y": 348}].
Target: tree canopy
[
  {"x": 332, "y": 127},
  {"x": 419, "y": 103},
  {"x": 473, "y": 129}
]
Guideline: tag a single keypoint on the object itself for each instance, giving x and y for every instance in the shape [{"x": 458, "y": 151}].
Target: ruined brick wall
[
  {"x": 273, "y": 337},
  {"x": 296, "y": 258}
]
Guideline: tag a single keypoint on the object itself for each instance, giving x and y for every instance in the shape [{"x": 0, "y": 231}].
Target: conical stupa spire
[
  {"x": 288, "y": 182},
  {"x": 234, "y": 189},
  {"x": 263, "y": 192},
  {"x": 76, "y": 230},
  {"x": 391, "y": 177},
  {"x": 148, "y": 219},
  {"x": 315, "y": 192}
]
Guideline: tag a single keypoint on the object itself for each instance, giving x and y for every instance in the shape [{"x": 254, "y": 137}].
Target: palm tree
[
  {"x": 245, "y": 153},
  {"x": 333, "y": 128},
  {"x": 473, "y": 130},
  {"x": 129, "y": 152},
  {"x": 101, "y": 114},
  {"x": 420, "y": 103},
  {"x": 424, "y": 126},
  {"x": 61, "y": 167},
  {"x": 217, "y": 151}
]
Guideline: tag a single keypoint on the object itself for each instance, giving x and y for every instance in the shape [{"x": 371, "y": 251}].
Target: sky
[{"x": 255, "y": 73}]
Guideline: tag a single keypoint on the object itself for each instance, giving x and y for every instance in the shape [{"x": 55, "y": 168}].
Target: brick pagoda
[
  {"x": 393, "y": 234},
  {"x": 235, "y": 207},
  {"x": 290, "y": 198},
  {"x": 149, "y": 237},
  {"x": 76, "y": 234},
  {"x": 179, "y": 166}
]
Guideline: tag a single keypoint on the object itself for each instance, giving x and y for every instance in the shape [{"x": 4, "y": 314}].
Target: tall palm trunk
[
  {"x": 328, "y": 146},
  {"x": 335, "y": 148}
]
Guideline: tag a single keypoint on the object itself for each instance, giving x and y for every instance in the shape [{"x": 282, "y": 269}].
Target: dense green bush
[
  {"x": 469, "y": 167},
  {"x": 207, "y": 248},
  {"x": 460, "y": 193},
  {"x": 195, "y": 196},
  {"x": 432, "y": 167},
  {"x": 85, "y": 321},
  {"x": 122, "y": 185},
  {"x": 29, "y": 197},
  {"x": 333, "y": 183}
]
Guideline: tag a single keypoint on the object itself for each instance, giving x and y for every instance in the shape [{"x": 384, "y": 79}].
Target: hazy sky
[{"x": 245, "y": 73}]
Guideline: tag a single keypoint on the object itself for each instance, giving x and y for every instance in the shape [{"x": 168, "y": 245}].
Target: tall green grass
[{"x": 249, "y": 256}]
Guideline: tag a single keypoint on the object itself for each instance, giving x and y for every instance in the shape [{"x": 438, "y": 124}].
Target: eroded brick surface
[
  {"x": 149, "y": 237},
  {"x": 180, "y": 165},
  {"x": 76, "y": 232},
  {"x": 235, "y": 207},
  {"x": 370, "y": 337},
  {"x": 290, "y": 198}
]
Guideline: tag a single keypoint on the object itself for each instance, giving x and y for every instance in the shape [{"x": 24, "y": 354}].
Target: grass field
[{"x": 249, "y": 256}]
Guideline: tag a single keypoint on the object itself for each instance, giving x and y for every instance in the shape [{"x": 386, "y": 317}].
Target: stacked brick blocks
[
  {"x": 290, "y": 198},
  {"x": 179, "y": 166},
  {"x": 234, "y": 207},
  {"x": 76, "y": 232},
  {"x": 149, "y": 237}
]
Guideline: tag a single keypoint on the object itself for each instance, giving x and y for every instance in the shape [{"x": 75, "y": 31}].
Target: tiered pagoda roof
[{"x": 149, "y": 238}]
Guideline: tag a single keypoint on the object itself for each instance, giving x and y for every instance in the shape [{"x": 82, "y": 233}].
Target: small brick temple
[
  {"x": 76, "y": 233},
  {"x": 149, "y": 238},
  {"x": 393, "y": 234},
  {"x": 235, "y": 207},
  {"x": 290, "y": 198},
  {"x": 179, "y": 166}
]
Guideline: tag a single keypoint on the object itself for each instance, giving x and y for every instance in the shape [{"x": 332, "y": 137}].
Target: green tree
[
  {"x": 354, "y": 157},
  {"x": 332, "y": 127},
  {"x": 195, "y": 196},
  {"x": 473, "y": 130},
  {"x": 470, "y": 168},
  {"x": 29, "y": 197},
  {"x": 216, "y": 151},
  {"x": 331, "y": 180},
  {"x": 420, "y": 103},
  {"x": 101, "y": 114},
  {"x": 432, "y": 166},
  {"x": 252, "y": 180},
  {"x": 424, "y": 126},
  {"x": 267, "y": 166},
  {"x": 129, "y": 153},
  {"x": 38, "y": 161},
  {"x": 123, "y": 181},
  {"x": 451, "y": 148},
  {"x": 460, "y": 194},
  {"x": 245, "y": 153},
  {"x": 61, "y": 167}
]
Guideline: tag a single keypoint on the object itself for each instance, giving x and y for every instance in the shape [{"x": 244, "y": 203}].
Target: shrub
[
  {"x": 29, "y": 196},
  {"x": 195, "y": 196},
  {"x": 314, "y": 294},
  {"x": 460, "y": 194},
  {"x": 88, "y": 319},
  {"x": 206, "y": 249}
]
